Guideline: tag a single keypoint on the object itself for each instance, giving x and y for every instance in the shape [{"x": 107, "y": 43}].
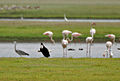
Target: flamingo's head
[{"x": 93, "y": 23}]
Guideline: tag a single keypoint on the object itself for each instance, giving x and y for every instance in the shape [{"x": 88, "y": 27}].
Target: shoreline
[{"x": 38, "y": 39}]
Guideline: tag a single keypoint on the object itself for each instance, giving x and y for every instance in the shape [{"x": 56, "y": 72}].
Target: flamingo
[
  {"x": 19, "y": 52},
  {"x": 75, "y": 35},
  {"x": 65, "y": 34},
  {"x": 109, "y": 51},
  {"x": 64, "y": 45},
  {"x": 65, "y": 18},
  {"x": 111, "y": 36},
  {"x": 49, "y": 34},
  {"x": 89, "y": 41},
  {"x": 92, "y": 30},
  {"x": 44, "y": 50}
]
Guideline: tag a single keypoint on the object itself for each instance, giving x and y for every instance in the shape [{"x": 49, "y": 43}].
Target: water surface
[{"x": 7, "y": 50}]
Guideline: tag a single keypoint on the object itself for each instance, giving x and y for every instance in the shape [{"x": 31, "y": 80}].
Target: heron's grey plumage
[{"x": 20, "y": 52}]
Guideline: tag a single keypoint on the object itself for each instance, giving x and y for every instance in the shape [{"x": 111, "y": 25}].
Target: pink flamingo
[
  {"x": 111, "y": 36},
  {"x": 49, "y": 34},
  {"x": 65, "y": 34}
]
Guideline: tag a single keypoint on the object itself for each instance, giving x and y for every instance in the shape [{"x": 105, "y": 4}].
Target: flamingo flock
[{"x": 67, "y": 39}]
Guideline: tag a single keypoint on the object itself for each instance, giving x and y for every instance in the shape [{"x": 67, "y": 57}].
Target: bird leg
[
  {"x": 87, "y": 50},
  {"x": 63, "y": 52},
  {"x": 66, "y": 51},
  {"x": 90, "y": 50},
  {"x": 107, "y": 52},
  {"x": 110, "y": 53}
]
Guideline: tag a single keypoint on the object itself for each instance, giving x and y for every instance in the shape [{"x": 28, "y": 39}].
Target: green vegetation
[
  {"x": 59, "y": 69},
  {"x": 56, "y": 9},
  {"x": 33, "y": 31}
]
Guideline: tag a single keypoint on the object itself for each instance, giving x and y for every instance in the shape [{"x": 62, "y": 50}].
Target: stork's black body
[{"x": 44, "y": 51}]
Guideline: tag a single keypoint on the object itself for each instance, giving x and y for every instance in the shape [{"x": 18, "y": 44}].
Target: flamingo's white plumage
[{"x": 92, "y": 30}]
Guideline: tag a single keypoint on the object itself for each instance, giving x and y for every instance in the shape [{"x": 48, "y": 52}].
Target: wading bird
[
  {"x": 44, "y": 50},
  {"x": 89, "y": 41},
  {"x": 109, "y": 51},
  {"x": 22, "y": 17},
  {"x": 65, "y": 18},
  {"x": 75, "y": 35},
  {"x": 64, "y": 45},
  {"x": 112, "y": 37},
  {"x": 19, "y": 52},
  {"x": 49, "y": 34}
]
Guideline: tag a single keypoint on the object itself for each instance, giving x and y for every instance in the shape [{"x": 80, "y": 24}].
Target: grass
[
  {"x": 33, "y": 31},
  {"x": 59, "y": 69},
  {"x": 55, "y": 8}
]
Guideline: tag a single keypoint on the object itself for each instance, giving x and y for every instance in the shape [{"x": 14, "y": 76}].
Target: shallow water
[{"x": 7, "y": 50}]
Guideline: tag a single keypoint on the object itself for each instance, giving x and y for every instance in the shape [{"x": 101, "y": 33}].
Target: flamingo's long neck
[
  {"x": 70, "y": 39},
  {"x": 113, "y": 40},
  {"x": 64, "y": 36},
  {"x": 92, "y": 35},
  {"x": 52, "y": 40}
]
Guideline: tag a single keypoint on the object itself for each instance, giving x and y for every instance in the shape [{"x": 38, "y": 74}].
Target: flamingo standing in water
[
  {"x": 74, "y": 35},
  {"x": 49, "y": 34},
  {"x": 109, "y": 51},
  {"x": 65, "y": 41},
  {"x": 89, "y": 41},
  {"x": 64, "y": 45},
  {"x": 111, "y": 36}
]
